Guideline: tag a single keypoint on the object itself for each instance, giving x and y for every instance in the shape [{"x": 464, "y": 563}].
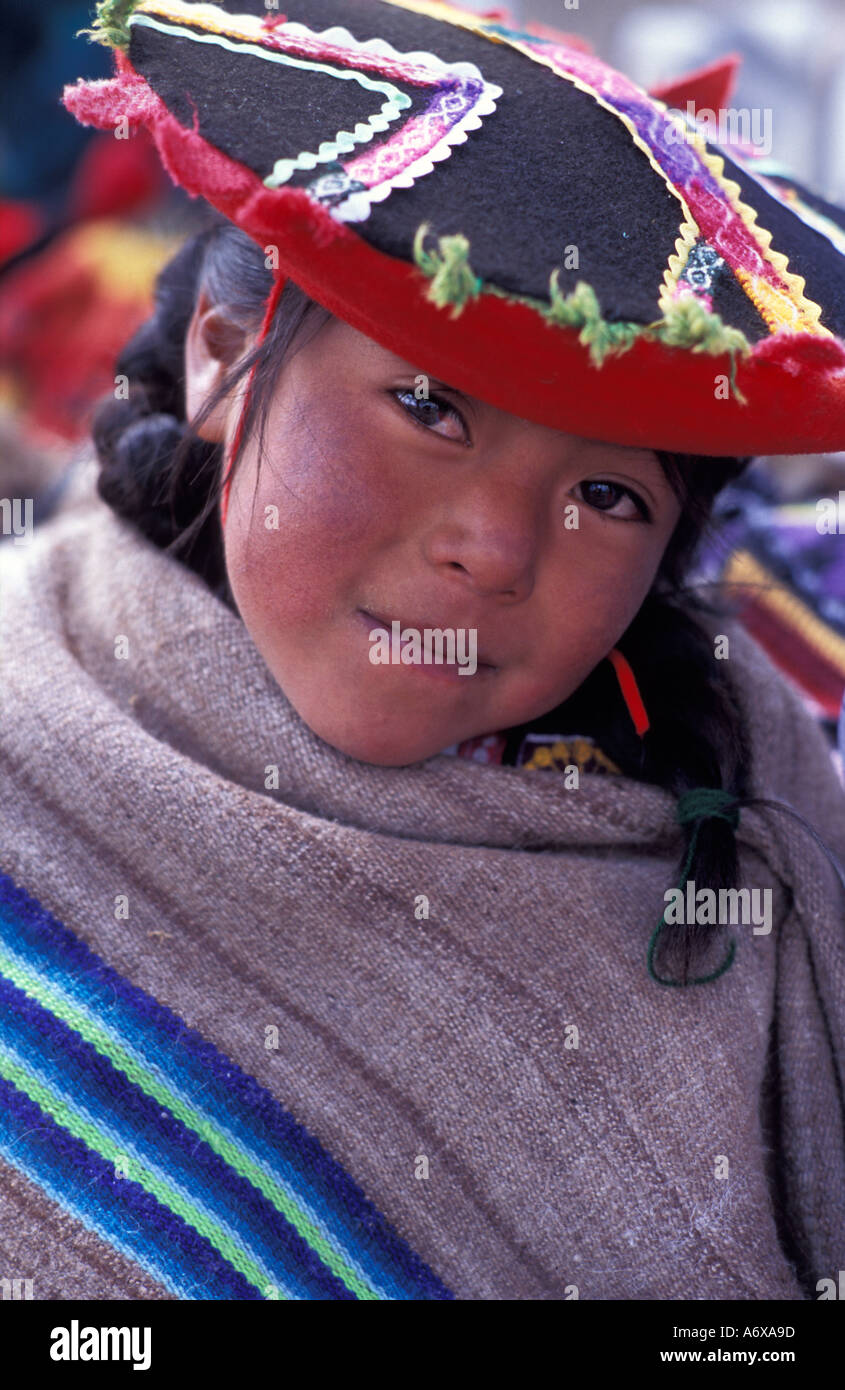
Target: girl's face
[{"x": 371, "y": 504}]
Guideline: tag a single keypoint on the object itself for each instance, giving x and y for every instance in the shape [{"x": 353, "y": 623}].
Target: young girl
[{"x": 315, "y": 984}]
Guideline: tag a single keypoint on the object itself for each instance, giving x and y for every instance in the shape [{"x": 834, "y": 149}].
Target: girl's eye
[
  {"x": 613, "y": 499},
  {"x": 428, "y": 413}
]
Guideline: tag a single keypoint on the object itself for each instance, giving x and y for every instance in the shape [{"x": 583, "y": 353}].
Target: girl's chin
[
  {"x": 386, "y": 732},
  {"x": 381, "y": 752},
  {"x": 378, "y": 741}
]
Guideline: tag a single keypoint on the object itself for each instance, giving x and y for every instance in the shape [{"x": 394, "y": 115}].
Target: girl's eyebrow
[
  {"x": 443, "y": 385},
  {"x": 471, "y": 403},
  {"x": 631, "y": 451},
  {"x": 629, "y": 448}
]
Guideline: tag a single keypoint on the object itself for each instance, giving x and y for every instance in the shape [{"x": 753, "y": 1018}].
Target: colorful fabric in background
[
  {"x": 786, "y": 569},
  {"x": 149, "y": 1136},
  {"x": 53, "y": 174},
  {"x": 77, "y": 266},
  {"x": 539, "y": 750},
  {"x": 65, "y": 315},
  {"x": 75, "y": 285}
]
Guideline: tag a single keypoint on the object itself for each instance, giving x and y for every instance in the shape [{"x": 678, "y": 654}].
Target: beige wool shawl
[{"x": 690, "y": 1146}]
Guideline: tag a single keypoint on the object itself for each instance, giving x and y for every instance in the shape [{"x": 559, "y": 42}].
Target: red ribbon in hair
[{"x": 630, "y": 691}]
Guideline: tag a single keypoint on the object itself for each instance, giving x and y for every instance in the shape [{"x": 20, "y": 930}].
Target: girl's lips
[{"x": 430, "y": 668}]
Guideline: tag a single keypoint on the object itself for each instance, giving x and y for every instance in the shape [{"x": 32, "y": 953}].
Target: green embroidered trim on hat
[
  {"x": 686, "y": 323},
  {"x": 452, "y": 280},
  {"x": 580, "y": 309},
  {"x": 111, "y": 27}
]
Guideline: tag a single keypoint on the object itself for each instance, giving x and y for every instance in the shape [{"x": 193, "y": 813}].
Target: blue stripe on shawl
[{"x": 231, "y": 1100}]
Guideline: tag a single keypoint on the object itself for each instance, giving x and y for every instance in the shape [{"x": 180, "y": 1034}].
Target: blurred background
[{"x": 87, "y": 220}]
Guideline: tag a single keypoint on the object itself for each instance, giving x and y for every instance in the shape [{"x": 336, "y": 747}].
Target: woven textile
[
  {"x": 163, "y": 1146},
  {"x": 380, "y": 1029}
]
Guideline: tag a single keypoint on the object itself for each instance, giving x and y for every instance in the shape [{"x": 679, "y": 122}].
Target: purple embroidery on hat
[{"x": 718, "y": 217}]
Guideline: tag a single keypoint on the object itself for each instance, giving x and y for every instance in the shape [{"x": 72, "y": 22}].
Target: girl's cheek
[
  {"x": 324, "y": 484},
  {"x": 304, "y": 550},
  {"x": 581, "y": 630}
]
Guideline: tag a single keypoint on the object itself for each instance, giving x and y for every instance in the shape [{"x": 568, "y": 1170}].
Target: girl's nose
[{"x": 492, "y": 532}]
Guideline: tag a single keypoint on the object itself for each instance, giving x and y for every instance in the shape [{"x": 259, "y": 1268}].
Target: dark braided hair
[
  {"x": 155, "y": 471},
  {"x": 158, "y": 474}
]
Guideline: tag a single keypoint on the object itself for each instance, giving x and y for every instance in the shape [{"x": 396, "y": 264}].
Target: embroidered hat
[{"x": 503, "y": 210}]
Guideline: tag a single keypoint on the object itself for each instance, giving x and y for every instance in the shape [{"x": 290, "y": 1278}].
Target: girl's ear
[{"x": 213, "y": 345}]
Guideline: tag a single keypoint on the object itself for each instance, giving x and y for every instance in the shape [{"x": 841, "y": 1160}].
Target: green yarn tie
[
  {"x": 111, "y": 27},
  {"x": 694, "y": 807},
  {"x": 452, "y": 279},
  {"x": 685, "y": 322},
  {"x": 707, "y": 803}
]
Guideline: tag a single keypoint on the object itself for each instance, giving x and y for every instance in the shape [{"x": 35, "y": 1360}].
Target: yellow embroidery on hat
[
  {"x": 789, "y": 305},
  {"x": 209, "y": 17},
  {"x": 778, "y": 310}
]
